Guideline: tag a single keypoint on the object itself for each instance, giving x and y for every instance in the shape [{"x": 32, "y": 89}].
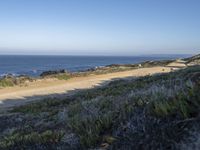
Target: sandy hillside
[{"x": 14, "y": 96}]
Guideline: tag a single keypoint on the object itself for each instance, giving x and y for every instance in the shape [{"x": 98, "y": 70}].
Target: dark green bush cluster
[
  {"x": 21, "y": 139},
  {"x": 6, "y": 83},
  {"x": 184, "y": 104}
]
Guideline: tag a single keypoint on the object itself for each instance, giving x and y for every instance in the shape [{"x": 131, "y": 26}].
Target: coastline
[
  {"x": 62, "y": 74},
  {"x": 58, "y": 83},
  {"x": 35, "y": 65}
]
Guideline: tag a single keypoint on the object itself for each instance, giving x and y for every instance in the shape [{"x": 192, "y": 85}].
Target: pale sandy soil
[
  {"x": 177, "y": 63},
  {"x": 15, "y": 96}
]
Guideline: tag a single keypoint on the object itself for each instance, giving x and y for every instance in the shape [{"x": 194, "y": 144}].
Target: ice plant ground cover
[{"x": 159, "y": 111}]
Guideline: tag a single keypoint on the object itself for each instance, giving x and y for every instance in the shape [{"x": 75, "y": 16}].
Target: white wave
[
  {"x": 6, "y": 74},
  {"x": 34, "y": 71}
]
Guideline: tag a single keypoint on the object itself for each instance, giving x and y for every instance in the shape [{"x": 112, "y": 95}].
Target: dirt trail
[{"x": 15, "y": 96}]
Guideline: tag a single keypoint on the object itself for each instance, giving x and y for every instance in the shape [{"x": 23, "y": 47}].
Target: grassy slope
[{"x": 152, "y": 112}]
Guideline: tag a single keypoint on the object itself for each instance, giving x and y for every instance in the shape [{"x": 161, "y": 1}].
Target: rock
[
  {"x": 48, "y": 73},
  {"x": 91, "y": 69},
  {"x": 8, "y": 76}
]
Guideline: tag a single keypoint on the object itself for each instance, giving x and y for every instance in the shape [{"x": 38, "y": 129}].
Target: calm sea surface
[{"x": 35, "y": 65}]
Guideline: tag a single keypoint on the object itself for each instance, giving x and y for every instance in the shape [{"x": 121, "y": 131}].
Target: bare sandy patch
[{"x": 14, "y": 96}]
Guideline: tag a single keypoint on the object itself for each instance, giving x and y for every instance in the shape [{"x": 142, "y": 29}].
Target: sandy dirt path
[{"x": 15, "y": 96}]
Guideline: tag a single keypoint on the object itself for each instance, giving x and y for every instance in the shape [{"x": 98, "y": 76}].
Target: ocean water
[{"x": 35, "y": 65}]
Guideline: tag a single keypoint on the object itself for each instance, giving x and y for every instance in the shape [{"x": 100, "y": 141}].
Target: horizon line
[{"x": 156, "y": 54}]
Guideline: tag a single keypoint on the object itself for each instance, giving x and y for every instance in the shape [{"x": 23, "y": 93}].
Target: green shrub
[
  {"x": 6, "y": 83},
  {"x": 183, "y": 104},
  {"x": 63, "y": 76},
  {"x": 90, "y": 129},
  {"x": 22, "y": 139}
]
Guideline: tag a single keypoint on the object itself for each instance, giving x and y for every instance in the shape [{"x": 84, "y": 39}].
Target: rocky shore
[{"x": 10, "y": 80}]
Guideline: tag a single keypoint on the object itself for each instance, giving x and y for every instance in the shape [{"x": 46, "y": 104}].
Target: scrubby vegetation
[
  {"x": 63, "y": 76},
  {"x": 9, "y": 80},
  {"x": 195, "y": 60},
  {"x": 152, "y": 112},
  {"x": 6, "y": 82}
]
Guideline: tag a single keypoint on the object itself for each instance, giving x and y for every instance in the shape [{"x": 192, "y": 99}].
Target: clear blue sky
[{"x": 99, "y": 27}]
